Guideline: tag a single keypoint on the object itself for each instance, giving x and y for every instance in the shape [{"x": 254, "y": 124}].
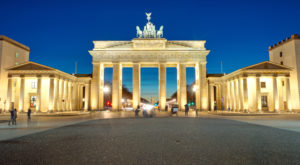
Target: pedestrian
[
  {"x": 11, "y": 117},
  {"x": 186, "y": 110},
  {"x": 15, "y": 117},
  {"x": 196, "y": 111},
  {"x": 29, "y": 113},
  {"x": 137, "y": 111},
  {"x": 166, "y": 108}
]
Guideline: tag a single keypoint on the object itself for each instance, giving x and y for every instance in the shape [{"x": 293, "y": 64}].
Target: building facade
[
  {"x": 267, "y": 86},
  {"x": 12, "y": 53}
]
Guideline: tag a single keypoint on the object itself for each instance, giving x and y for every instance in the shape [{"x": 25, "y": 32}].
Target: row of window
[
  {"x": 33, "y": 84},
  {"x": 263, "y": 84}
]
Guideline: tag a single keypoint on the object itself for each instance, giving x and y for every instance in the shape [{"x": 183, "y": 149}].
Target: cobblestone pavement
[{"x": 208, "y": 139}]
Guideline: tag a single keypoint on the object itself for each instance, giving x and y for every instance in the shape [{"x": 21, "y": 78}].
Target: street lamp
[
  {"x": 106, "y": 89},
  {"x": 194, "y": 88}
]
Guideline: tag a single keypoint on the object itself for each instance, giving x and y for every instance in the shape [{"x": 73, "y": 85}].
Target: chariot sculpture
[{"x": 149, "y": 30}]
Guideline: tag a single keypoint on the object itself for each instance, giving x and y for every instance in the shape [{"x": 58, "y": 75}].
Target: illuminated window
[
  {"x": 263, "y": 84},
  {"x": 33, "y": 85},
  {"x": 280, "y": 54},
  {"x": 32, "y": 101},
  {"x": 17, "y": 54},
  {"x": 281, "y": 62}
]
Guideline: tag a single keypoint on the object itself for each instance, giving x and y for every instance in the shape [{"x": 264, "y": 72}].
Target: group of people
[
  {"x": 13, "y": 116},
  {"x": 187, "y": 109}
]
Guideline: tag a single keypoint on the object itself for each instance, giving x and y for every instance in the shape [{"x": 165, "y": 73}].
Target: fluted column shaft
[
  {"x": 162, "y": 86},
  {"x": 136, "y": 84},
  {"x": 181, "y": 86},
  {"x": 117, "y": 87},
  {"x": 258, "y": 94},
  {"x": 288, "y": 94}
]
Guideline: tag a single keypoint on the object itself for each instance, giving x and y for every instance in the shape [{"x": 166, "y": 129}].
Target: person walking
[
  {"x": 186, "y": 110},
  {"x": 11, "y": 117},
  {"x": 166, "y": 108},
  {"x": 137, "y": 111},
  {"x": 196, "y": 111},
  {"x": 28, "y": 114},
  {"x": 15, "y": 117}
]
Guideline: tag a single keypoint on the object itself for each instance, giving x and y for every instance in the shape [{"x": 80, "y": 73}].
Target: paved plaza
[{"x": 121, "y": 138}]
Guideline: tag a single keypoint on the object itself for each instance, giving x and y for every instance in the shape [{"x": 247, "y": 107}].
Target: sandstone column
[
  {"x": 97, "y": 85},
  {"x": 240, "y": 86},
  {"x": 80, "y": 97},
  {"x": 39, "y": 96},
  {"x": 9, "y": 94},
  {"x": 245, "y": 94},
  {"x": 288, "y": 93},
  {"x": 232, "y": 95},
  {"x": 204, "y": 87},
  {"x": 56, "y": 91},
  {"x": 69, "y": 96},
  {"x": 218, "y": 97},
  {"x": 181, "y": 86},
  {"x": 197, "y": 84},
  {"x": 229, "y": 99},
  {"x": 258, "y": 94},
  {"x": 211, "y": 93},
  {"x": 22, "y": 93},
  {"x": 275, "y": 95},
  {"x": 162, "y": 86},
  {"x": 136, "y": 85},
  {"x": 117, "y": 87},
  {"x": 51, "y": 95},
  {"x": 236, "y": 86},
  {"x": 86, "y": 97}
]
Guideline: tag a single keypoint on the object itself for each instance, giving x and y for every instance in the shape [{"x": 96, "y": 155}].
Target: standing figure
[
  {"x": 15, "y": 117},
  {"x": 29, "y": 113},
  {"x": 137, "y": 111},
  {"x": 196, "y": 111},
  {"x": 11, "y": 117},
  {"x": 186, "y": 110}
]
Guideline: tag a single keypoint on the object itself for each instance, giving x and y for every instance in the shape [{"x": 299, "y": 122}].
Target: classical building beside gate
[{"x": 267, "y": 86}]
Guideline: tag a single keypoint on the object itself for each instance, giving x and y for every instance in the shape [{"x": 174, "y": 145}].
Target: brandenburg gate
[{"x": 149, "y": 49}]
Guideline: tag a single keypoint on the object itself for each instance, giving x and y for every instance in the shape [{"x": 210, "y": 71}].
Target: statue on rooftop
[{"x": 149, "y": 30}]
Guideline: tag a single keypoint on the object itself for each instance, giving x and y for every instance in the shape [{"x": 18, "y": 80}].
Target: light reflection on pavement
[{"x": 44, "y": 122}]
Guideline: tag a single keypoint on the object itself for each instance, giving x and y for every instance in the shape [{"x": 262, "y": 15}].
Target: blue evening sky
[{"x": 237, "y": 32}]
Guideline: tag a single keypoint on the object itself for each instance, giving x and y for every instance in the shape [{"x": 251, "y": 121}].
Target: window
[
  {"x": 263, "y": 84},
  {"x": 280, "y": 54},
  {"x": 281, "y": 62},
  {"x": 282, "y": 83},
  {"x": 17, "y": 54},
  {"x": 32, "y": 101},
  {"x": 264, "y": 101},
  {"x": 33, "y": 85}
]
